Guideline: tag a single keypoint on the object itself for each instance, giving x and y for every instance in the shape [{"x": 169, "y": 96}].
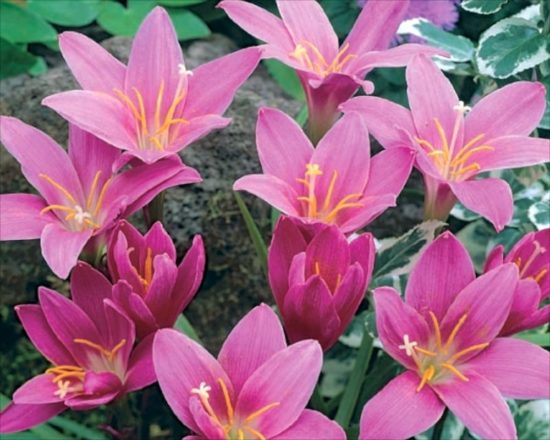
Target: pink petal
[
  {"x": 514, "y": 152},
  {"x": 363, "y": 251},
  {"x": 485, "y": 304},
  {"x": 396, "y": 56},
  {"x": 41, "y": 335},
  {"x": 496, "y": 114},
  {"x": 431, "y": 96},
  {"x": 197, "y": 128},
  {"x": 389, "y": 171},
  {"x": 524, "y": 305},
  {"x": 383, "y": 118},
  {"x": 283, "y": 148},
  {"x": 491, "y": 198},
  {"x": 288, "y": 378},
  {"x": 399, "y": 411},
  {"x": 309, "y": 313},
  {"x": 61, "y": 247},
  {"x": 157, "y": 239},
  {"x": 254, "y": 340},
  {"x": 270, "y": 189},
  {"x": 357, "y": 218},
  {"x": 479, "y": 405},
  {"x": 306, "y": 21},
  {"x": 39, "y": 155},
  {"x": 20, "y": 217},
  {"x": 158, "y": 297},
  {"x": 258, "y": 22},
  {"x": 40, "y": 389},
  {"x": 447, "y": 258},
  {"x": 17, "y": 418},
  {"x": 141, "y": 372},
  {"x": 100, "y": 388},
  {"x": 312, "y": 425},
  {"x": 394, "y": 320},
  {"x": 519, "y": 369},
  {"x": 98, "y": 113},
  {"x": 214, "y": 84},
  {"x": 349, "y": 295},
  {"x": 135, "y": 308},
  {"x": 122, "y": 262},
  {"x": 204, "y": 422},
  {"x": 155, "y": 57},
  {"x": 93, "y": 67},
  {"x": 495, "y": 258},
  {"x": 119, "y": 328},
  {"x": 182, "y": 365}
]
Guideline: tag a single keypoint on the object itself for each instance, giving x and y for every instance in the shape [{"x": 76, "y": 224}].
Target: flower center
[
  {"x": 159, "y": 131},
  {"x": 333, "y": 285},
  {"x": 328, "y": 211},
  {"x": 78, "y": 218},
  {"x": 454, "y": 166},
  {"x": 440, "y": 360},
  {"x": 309, "y": 56},
  {"x": 69, "y": 379},
  {"x": 233, "y": 427},
  {"x": 524, "y": 267},
  {"x": 146, "y": 275}
]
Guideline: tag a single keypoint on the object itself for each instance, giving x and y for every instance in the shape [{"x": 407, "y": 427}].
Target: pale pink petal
[
  {"x": 17, "y": 418},
  {"x": 483, "y": 305},
  {"x": 119, "y": 328},
  {"x": 478, "y": 404},
  {"x": 519, "y": 369},
  {"x": 141, "y": 372},
  {"x": 93, "y": 67},
  {"x": 21, "y": 218},
  {"x": 206, "y": 425},
  {"x": 312, "y": 425},
  {"x": 383, "y": 118},
  {"x": 258, "y": 22},
  {"x": 448, "y": 258},
  {"x": 496, "y": 114},
  {"x": 244, "y": 351},
  {"x": 288, "y": 378},
  {"x": 389, "y": 171},
  {"x": 514, "y": 152},
  {"x": 307, "y": 22},
  {"x": 349, "y": 295},
  {"x": 399, "y": 411},
  {"x": 40, "y": 389},
  {"x": 396, "y": 56},
  {"x": 495, "y": 258},
  {"x": 395, "y": 320},
  {"x": 354, "y": 219},
  {"x": 61, "y": 247},
  {"x": 524, "y": 306},
  {"x": 491, "y": 198},
  {"x": 272, "y": 190},
  {"x": 197, "y": 128},
  {"x": 100, "y": 388}
]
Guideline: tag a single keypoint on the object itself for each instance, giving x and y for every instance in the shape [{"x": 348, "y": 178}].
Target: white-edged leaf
[
  {"x": 531, "y": 13},
  {"x": 483, "y": 6},
  {"x": 511, "y": 46},
  {"x": 545, "y": 122},
  {"x": 539, "y": 213}
]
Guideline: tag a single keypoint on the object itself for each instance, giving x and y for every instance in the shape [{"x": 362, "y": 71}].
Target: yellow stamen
[
  {"x": 60, "y": 207},
  {"x": 159, "y": 103},
  {"x": 110, "y": 354},
  {"x": 101, "y": 196},
  {"x": 230, "y": 411},
  {"x": 454, "y": 370},
  {"x": 540, "y": 275},
  {"x": 316, "y": 52},
  {"x": 148, "y": 267},
  {"x": 254, "y": 432},
  {"x": 66, "y": 193},
  {"x": 317, "y": 268},
  {"x": 473, "y": 167},
  {"x": 436, "y": 329},
  {"x": 240, "y": 434},
  {"x": 441, "y": 131},
  {"x": 454, "y": 332},
  {"x": 426, "y": 377},
  {"x": 461, "y": 158},
  {"x": 143, "y": 118},
  {"x": 120, "y": 94},
  {"x": 261, "y": 411},
  {"x": 343, "y": 204},
  {"x": 461, "y": 353},
  {"x": 426, "y": 352},
  {"x": 92, "y": 190},
  {"x": 330, "y": 190}
]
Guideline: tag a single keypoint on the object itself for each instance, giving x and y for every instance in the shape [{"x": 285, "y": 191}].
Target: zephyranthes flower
[
  {"x": 445, "y": 335},
  {"x": 80, "y": 197},
  {"x": 154, "y": 107},
  {"x": 453, "y": 148},
  {"x": 257, "y": 388},
  {"x": 91, "y": 347},
  {"x": 532, "y": 257},
  {"x": 150, "y": 288},
  {"x": 320, "y": 281},
  {"x": 304, "y": 39},
  {"x": 336, "y": 183}
]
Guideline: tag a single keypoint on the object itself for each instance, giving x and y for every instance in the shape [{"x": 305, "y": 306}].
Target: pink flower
[
  {"x": 335, "y": 183},
  {"x": 257, "y": 388},
  {"x": 445, "y": 335},
  {"x": 152, "y": 290},
  {"x": 319, "y": 281},
  {"x": 154, "y": 107},
  {"x": 305, "y": 40},
  {"x": 532, "y": 257},
  {"x": 90, "y": 344},
  {"x": 454, "y": 149},
  {"x": 80, "y": 197}
]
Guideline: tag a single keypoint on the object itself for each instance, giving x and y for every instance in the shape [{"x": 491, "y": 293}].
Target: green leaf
[
  {"x": 39, "y": 67},
  {"x": 475, "y": 237},
  {"x": 118, "y": 20},
  {"x": 532, "y": 420},
  {"x": 179, "y": 3},
  {"x": 462, "y": 213},
  {"x": 65, "y": 12},
  {"x": 545, "y": 123},
  {"x": 183, "y": 324},
  {"x": 483, "y": 6},
  {"x": 537, "y": 336},
  {"x": 539, "y": 213},
  {"x": 286, "y": 77},
  {"x": 188, "y": 25},
  {"x": 14, "y": 60},
  {"x": 337, "y": 366},
  {"x": 342, "y": 14},
  {"x": 397, "y": 255},
  {"x": 460, "y": 48},
  {"x": 511, "y": 46},
  {"x": 19, "y": 25},
  {"x": 76, "y": 429}
]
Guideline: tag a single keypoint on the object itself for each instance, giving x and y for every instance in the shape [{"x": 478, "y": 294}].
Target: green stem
[
  {"x": 155, "y": 210},
  {"x": 353, "y": 387},
  {"x": 317, "y": 402},
  {"x": 438, "y": 429}
]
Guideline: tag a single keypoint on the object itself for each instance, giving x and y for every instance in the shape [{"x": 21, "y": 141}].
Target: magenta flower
[
  {"x": 152, "y": 290},
  {"x": 90, "y": 344},
  {"x": 154, "y": 107},
  {"x": 532, "y": 257},
  {"x": 257, "y": 388},
  {"x": 445, "y": 335},
  {"x": 453, "y": 149},
  {"x": 305, "y": 40},
  {"x": 318, "y": 282},
  {"x": 335, "y": 183},
  {"x": 80, "y": 197}
]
